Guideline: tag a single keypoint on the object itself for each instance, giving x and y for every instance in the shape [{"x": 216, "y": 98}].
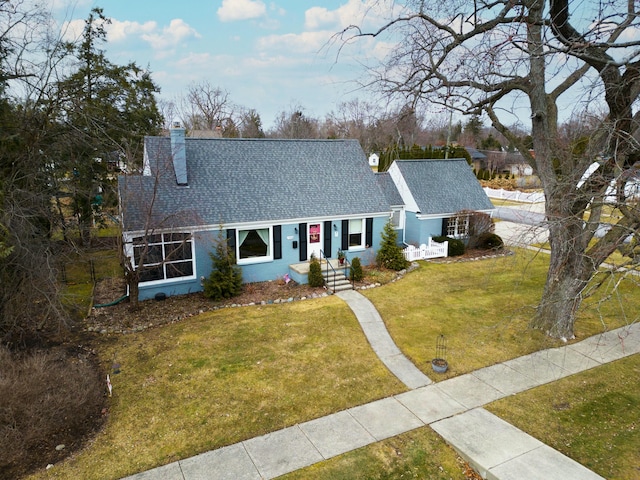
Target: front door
[{"x": 314, "y": 240}]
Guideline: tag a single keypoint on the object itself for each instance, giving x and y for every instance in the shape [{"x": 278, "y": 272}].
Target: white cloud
[
  {"x": 354, "y": 12},
  {"x": 177, "y": 31},
  {"x": 72, "y": 30},
  {"x": 305, "y": 42},
  {"x": 118, "y": 31},
  {"x": 232, "y": 10}
]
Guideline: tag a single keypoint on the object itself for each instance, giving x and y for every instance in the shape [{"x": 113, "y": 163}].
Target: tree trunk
[
  {"x": 568, "y": 274},
  {"x": 132, "y": 277}
]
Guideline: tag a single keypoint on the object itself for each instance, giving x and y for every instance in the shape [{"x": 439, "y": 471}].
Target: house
[
  {"x": 505, "y": 162},
  {"x": 374, "y": 160},
  {"x": 478, "y": 159},
  {"x": 276, "y": 202},
  {"x": 433, "y": 192}
]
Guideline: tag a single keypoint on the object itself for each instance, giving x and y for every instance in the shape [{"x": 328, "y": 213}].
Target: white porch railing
[{"x": 430, "y": 250}]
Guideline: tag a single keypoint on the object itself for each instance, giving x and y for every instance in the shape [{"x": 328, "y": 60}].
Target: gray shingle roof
[
  {"x": 443, "y": 186},
  {"x": 389, "y": 188},
  {"x": 251, "y": 180}
]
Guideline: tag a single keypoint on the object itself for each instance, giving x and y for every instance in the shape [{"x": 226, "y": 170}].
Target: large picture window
[
  {"x": 254, "y": 245},
  {"x": 164, "y": 256}
]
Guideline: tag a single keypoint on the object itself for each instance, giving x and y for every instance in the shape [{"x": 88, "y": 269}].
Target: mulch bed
[{"x": 120, "y": 318}]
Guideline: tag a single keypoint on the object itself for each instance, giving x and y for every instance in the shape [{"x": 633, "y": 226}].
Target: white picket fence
[
  {"x": 515, "y": 195},
  {"x": 424, "y": 251}
]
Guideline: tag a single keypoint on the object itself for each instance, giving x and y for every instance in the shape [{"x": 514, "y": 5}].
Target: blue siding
[
  {"x": 431, "y": 227},
  {"x": 418, "y": 231},
  {"x": 260, "y": 272},
  {"x": 412, "y": 229}
]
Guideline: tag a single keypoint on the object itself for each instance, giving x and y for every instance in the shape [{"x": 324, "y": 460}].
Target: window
[
  {"x": 164, "y": 256},
  {"x": 254, "y": 245},
  {"x": 356, "y": 230},
  {"x": 397, "y": 218},
  {"x": 458, "y": 226}
]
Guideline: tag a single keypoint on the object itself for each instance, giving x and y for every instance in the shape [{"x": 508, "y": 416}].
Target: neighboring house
[
  {"x": 433, "y": 192},
  {"x": 374, "y": 160},
  {"x": 505, "y": 162},
  {"x": 478, "y": 159},
  {"x": 277, "y": 203}
]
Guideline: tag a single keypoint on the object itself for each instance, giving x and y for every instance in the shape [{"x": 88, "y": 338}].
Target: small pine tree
[
  {"x": 225, "y": 279},
  {"x": 315, "y": 273},
  {"x": 356, "y": 274},
  {"x": 390, "y": 254}
]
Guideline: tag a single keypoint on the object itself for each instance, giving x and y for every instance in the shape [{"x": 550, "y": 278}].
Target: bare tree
[
  {"x": 509, "y": 59},
  {"x": 205, "y": 107},
  {"x": 295, "y": 124},
  {"x": 152, "y": 241}
]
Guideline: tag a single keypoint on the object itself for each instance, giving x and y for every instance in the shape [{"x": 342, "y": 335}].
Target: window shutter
[
  {"x": 277, "y": 242},
  {"x": 445, "y": 222},
  {"x": 231, "y": 240},
  {"x": 368, "y": 239},
  {"x": 302, "y": 232},
  {"x": 345, "y": 235},
  {"x": 327, "y": 239}
]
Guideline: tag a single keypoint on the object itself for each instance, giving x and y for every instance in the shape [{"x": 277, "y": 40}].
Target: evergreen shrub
[
  {"x": 456, "y": 247},
  {"x": 225, "y": 279},
  {"x": 356, "y": 272},
  {"x": 390, "y": 254},
  {"x": 315, "y": 277},
  {"x": 489, "y": 241}
]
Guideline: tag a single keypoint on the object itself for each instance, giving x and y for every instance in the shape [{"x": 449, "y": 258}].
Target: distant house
[
  {"x": 478, "y": 159},
  {"x": 505, "y": 162},
  {"x": 276, "y": 202},
  {"x": 374, "y": 160}
]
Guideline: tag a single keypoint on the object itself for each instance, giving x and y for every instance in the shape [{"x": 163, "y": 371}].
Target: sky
[{"x": 271, "y": 56}]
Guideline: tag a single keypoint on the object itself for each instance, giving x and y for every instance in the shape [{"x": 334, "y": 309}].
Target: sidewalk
[{"x": 496, "y": 449}]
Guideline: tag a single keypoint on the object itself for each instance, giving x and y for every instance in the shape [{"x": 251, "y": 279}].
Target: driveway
[{"x": 522, "y": 225}]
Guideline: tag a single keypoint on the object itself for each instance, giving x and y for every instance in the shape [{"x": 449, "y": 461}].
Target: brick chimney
[{"x": 178, "y": 153}]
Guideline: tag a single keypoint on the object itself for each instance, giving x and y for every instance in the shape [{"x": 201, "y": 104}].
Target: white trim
[
  {"x": 402, "y": 217},
  {"x": 129, "y": 251},
  {"x": 253, "y": 260},
  {"x": 403, "y": 189},
  {"x": 363, "y": 235}
]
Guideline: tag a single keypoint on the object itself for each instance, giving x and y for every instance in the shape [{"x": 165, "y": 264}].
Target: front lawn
[
  {"x": 591, "y": 417},
  {"x": 232, "y": 374},
  {"x": 483, "y": 309},
  {"x": 227, "y": 376}
]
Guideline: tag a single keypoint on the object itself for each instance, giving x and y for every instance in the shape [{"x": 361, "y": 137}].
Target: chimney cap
[{"x": 176, "y": 124}]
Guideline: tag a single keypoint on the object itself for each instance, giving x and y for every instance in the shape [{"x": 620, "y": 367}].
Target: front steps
[
  {"x": 336, "y": 281},
  {"x": 299, "y": 273}
]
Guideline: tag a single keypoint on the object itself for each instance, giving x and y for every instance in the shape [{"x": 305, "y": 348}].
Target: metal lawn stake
[{"x": 439, "y": 364}]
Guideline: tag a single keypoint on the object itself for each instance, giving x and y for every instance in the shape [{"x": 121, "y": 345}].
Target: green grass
[
  {"x": 591, "y": 417},
  {"x": 233, "y": 374},
  {"x": 418, "y": 454},
  {"x": 78, "y": 288},
  {"x": 227, "y": 376},
  {"x": 483, "y": 310}
]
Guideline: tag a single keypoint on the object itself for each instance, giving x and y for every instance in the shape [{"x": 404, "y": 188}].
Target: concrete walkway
[
  {"x": 453, "y": 408},
  {"x": 381, "y": 342}
]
